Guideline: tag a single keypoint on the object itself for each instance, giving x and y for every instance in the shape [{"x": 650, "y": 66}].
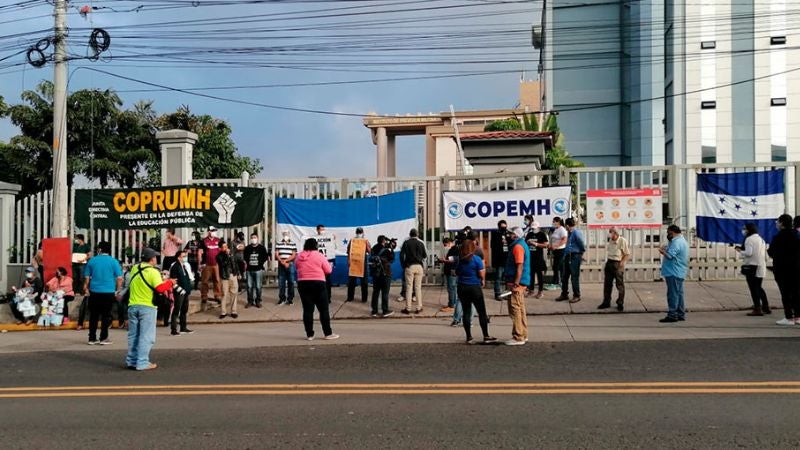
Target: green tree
[
  {"x": 503, "y": 125},
  {"x": 215, "y": 155}
]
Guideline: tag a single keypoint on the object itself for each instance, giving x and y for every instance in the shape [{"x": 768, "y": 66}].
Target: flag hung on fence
[{"x": 726, "y": 202}]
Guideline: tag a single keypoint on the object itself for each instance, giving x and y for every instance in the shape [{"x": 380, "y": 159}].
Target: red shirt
[{"x": 210, "y": 250}]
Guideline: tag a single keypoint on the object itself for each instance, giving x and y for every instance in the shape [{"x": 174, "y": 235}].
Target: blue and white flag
[
  {"x": 726, "y": 202},
  {"x": 391, "y": 215}
]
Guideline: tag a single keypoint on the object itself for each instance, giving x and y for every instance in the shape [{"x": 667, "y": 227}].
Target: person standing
[
  {"x": 785, "y": 253},
  {"x": 194, "y": 254},
  {"x": 537, "y": 243},
  {"x": 381, "y": 257},
  {"x": 754, "y": 268},
  {"x": 255, "y": 256},
  {"x": 181, "y": 275},
  {"x": 209, "y": 268},
  {"x": 471, "y": 274},
  {"x": 617, "y": 254},
  {"x": 448, "y": 262},
  {"x": 518, "y": 278},
  {"x": 499, "y": 247},
  {"x": 312, "y": 267},
  {"x": 285, "y": 254},
  {"x": 573, "y": 257},
  {"x": 558, "y": 242},
  {"x": 230, "y": 275},
  {"x": 146, "y": 281},
  {"x": 358, "y": 250},
  {"x": 326, "y": 243},
  {"x": 81, "y": 252},
  {"x": 412, "y": 258},
  {"x": 103, "y": 278},
  {"x": 170, "y": 248},
  {"x": 674, "y": 268}
]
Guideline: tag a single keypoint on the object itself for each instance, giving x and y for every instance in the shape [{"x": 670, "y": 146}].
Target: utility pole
[{"x": 60, "y": 212}]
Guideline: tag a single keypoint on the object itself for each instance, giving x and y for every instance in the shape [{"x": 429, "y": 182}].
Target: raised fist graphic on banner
[{"x": 225, "y": 206}]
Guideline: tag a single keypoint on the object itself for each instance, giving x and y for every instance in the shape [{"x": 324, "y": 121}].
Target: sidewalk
[
  {"x": 640, "y": 298},
  {"x": 553, "y": 328}
]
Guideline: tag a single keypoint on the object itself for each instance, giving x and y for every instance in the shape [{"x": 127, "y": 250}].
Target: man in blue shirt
[
  {"x": 674, "y": 268},
  {"x": 573, "y": 256},
  {"x": 102, "y": 278}
]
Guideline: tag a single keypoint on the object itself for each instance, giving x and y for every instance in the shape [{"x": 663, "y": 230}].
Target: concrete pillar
[
  {"x": 391, "y": 157},
  {"x": 8, "y": 194},
  {"x": 383, "y": 152},
  {"x": 176, "y": 162}
]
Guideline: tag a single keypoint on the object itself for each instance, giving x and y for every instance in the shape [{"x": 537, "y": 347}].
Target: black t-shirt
[{"x": 540, "y": 238}]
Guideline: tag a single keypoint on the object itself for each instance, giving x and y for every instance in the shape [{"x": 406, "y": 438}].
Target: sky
[{"x": 481, "y": 46}]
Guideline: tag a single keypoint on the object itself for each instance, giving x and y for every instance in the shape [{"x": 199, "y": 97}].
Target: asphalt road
[{"x": 564, "y": 395}]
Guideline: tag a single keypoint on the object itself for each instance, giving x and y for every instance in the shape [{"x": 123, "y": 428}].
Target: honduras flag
[
  {"x": 391, "y": 215},
  {"x": 726, "y": 202}
]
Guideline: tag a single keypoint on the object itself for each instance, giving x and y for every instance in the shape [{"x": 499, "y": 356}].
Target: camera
[
  {"x": 179, "y": 290},
  {"x": 392, "y": 243}
]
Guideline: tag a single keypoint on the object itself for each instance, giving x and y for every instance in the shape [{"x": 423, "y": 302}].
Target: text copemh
[{"x": 510, "y": 208}]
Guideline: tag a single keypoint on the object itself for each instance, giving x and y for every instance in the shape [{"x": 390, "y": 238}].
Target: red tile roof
[{"x": 507, "y": 135}]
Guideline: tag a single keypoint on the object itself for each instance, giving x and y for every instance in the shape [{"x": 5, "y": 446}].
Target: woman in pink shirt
[
  {"x": 62, "y": 282},
  {"x": 312, "y": 266}
]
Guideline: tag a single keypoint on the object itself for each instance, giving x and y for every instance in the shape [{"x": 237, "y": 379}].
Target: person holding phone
[{"x": 754, "y": 268}]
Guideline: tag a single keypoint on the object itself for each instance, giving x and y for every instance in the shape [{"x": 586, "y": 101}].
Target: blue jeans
[
  {"x": 452, "y": 291},
  {"x": 141, "y": 335},
  {"x": 572, "y": 269},
  {"x": 675, "y": 300},
  {"x": 286, "y": 276},
  {"x": 254, "y": 284},
  {"x": 498, "y": 280}
]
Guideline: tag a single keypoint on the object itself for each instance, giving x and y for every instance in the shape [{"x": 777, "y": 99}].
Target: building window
[
  {"x": 709, "y": 155},
  {"x": 711, "y": 104},
  {"x": 777, "y": 40},
  {"x": 706, "y": 45},
  {"x": 778, "y": 153},
  {"x": 778, "y": 101}
]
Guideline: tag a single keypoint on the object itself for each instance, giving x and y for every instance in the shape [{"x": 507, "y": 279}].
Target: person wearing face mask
[
  {"x": 499, "y": 246},
  {"x": 785, "y": 253},
  {"x": 62, "y": 282},
  {"x": 558, "y": 242},
  {"x": 674, "y": 268},
  {"x": 754, "y": 268},
  {"x": 537, "y": 242},
  {"x": 286, "y": 254},
  {"x": 169, "y": 248},
  {"x": 181, "y": 275},
  {"x": 209, "y": 268},
  {"x": 31, "y": 281},
  {"x": 573, "y": 257},
  {"x": 618, "y": 252},
  {"x": 255, "y": 256},
  {"x": 194, "y": 254},
  {"x": 358, "y": 250},
  {"x": 230, "y": 275}
]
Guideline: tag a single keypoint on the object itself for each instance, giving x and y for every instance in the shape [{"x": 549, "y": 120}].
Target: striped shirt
[{"x": 285, "y": 249}]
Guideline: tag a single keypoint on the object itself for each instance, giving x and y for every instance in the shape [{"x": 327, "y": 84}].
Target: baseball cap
[
  {"x": 30, "y": 269},
  {"x": 148, "y": 254},
  {"x": 212, "y": 228}
]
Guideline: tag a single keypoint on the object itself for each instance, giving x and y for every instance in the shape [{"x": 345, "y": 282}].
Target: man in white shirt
[{"x": 558, "y": 242}]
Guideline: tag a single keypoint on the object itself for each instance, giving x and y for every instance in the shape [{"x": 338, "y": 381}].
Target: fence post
[
  {"x": 245, "y": 179},
  {"x": 563, "y": 176},
  {"x": 8, "y": 194},
  {"x": 176, "y": 162}
]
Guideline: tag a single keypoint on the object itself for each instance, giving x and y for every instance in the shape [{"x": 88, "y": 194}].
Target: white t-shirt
[{"x": 556, "y": 236}]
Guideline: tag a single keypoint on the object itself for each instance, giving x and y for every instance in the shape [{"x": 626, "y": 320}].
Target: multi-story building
[{"x": 675, "y": 81}]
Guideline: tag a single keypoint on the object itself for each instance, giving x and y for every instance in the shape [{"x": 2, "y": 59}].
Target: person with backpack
[
  {"x": 471, "y": 274},
  {"x": 146, "y": 283},
  {"x": 380, "y": 266}
]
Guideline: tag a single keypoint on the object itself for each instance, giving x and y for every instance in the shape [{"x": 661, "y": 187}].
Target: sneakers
[
  {"x": 222, "y": 316},
  {"x": 782, "y": 322},
  {"x": 105, "y": 342},
  {"x": 514, "y": 342},
  {"x": 388, "y": 314},
  {"x": 282, "y": 302},
  {"x": 331, "y": 337},
  {"x": 455, "y": 323},
  {"x": 471, "y": 341},
  {"x": 487, "y": 339},
  {"x": 310, "y": 338},
  {"x": 539, "y": 294},
  {"x": 374, "y": 315},
  {"x": 419, "y": 310},
  {"x": 174, "y": 333},
  {"x": 95, "y": 342},
  {"x": 405, "y": 311},
  {"x": 552, "y": 287},
  {"x": 400, "y": 299},
  {"x": 669, "y": 320},
  {"x": 187, "y": 331}
]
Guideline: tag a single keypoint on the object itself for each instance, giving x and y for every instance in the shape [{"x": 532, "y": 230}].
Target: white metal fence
[{"x": 708, "y": 260}]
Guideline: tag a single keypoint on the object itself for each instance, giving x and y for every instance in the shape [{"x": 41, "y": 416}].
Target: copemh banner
[
  {"x": 482, "y": 210},
  {"x": 169, "y": 206}
]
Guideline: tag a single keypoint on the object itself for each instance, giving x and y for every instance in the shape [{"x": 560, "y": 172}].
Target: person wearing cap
[
  {"x": 518, "y": 278},
  {"x": 209, "y": 268},
  {"x": 499, "y": 247},
  {"x": 573, "y": 257},
  {"x": 537, "y": 242},
  {"x": 674, "y": 268},
  {"x": 102, "y": 279},
  {"x": 32, "y": 281},
  {"x": 357, "y": 274},
  {"x": 618, "y": 252},
  {"x": 146, "y": 280}
]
